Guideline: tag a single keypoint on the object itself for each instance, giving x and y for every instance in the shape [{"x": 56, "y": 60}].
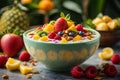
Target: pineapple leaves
[{"x": 67, "y": 17}]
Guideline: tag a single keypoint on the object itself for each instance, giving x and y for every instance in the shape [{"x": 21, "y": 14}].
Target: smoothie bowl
[{"x": 56, "y": 51}]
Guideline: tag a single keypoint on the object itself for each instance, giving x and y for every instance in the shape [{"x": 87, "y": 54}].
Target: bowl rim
[{"x": 83, "y": 41}]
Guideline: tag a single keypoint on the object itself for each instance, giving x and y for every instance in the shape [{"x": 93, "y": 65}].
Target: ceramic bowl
[
  {"x": 109, "y": 38},
  {"x": 61, "y": 57}
]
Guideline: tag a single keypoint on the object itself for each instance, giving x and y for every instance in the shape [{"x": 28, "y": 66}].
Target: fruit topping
[
  {"x": 51, "y": 35},
  {"x": 60, "y": 25},
  {"x": 79, "y": 27}
]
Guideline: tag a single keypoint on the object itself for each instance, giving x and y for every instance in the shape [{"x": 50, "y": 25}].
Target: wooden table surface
[{"x": 49, "y": 75}]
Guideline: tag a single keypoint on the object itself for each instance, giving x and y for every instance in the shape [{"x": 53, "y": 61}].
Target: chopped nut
[
  {"x": 32, "y": 60},
  {"x": 35, "y": 71},
  {"x": 69, "y": 38},
  {"x": 24, "y": 63},
  {"x": 65, "y": 35},
  {"x": 33, "y": 63},
  {"x": 91, "y": 36},
  {"x": 98, "y": 78},
  {"x": 88, "y": 37},
  {"x": 28, "y": 76},
  {"x": 87, "y": 34},
  {"x": 5, "y": 76}
]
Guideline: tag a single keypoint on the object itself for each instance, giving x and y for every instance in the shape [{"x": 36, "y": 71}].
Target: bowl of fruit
[
  {"x": 61, "y": 44},
  {"x": 109, "y": 29}
]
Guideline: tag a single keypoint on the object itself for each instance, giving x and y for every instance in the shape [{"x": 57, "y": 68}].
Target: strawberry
[
  {"x": 91, "y": 72},
  {"x": 77, "y": 72},
  {"x": 110, "y": 70},
  {"x": 115, "y": 59},
  {"x": 11, "y": 44},
  {"x": 3, "y": 60},
  {"x": 24, "y": 56},
  {"x": 51, "y": 35},
  {"x": 60, "y": 24}
]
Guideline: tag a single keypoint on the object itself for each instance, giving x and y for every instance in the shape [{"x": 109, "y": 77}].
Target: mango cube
[
  {"x": 63, "y": 40},
  {"x": 44, "y": 38},
  {"x": 77, "y": 38}
]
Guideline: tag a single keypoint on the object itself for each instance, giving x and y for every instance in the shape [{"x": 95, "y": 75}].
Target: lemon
[{"x": 106, "y": 54}]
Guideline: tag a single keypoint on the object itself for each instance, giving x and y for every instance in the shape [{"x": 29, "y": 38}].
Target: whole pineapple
[{"x": 13, "y": 19}]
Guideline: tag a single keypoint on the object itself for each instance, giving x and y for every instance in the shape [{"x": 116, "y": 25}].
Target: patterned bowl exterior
[{"x": 61, "y": 57}]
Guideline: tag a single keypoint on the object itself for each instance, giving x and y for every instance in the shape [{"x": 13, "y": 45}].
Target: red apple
[{"x": 11, "y": 44}]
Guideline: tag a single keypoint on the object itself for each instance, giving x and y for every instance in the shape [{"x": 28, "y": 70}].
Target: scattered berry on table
[
  {"x": 24, "y": 56},
  {"x": 115, "y": 59},
  {"x": 77, "y": 72},
  {"x": 3, "y": 60},
  {"x": 91, "y": 72}
]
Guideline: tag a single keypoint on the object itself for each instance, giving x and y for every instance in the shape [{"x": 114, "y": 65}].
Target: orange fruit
[
  {"x": 46, "y": 5},
  {"x": 26, "y": 1}
]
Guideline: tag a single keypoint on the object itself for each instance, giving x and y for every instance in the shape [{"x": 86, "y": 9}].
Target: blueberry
[
  {"x": 81, "y": 33},
  {"x": 71, "y": 33},
  {"x": 60, "y": 33}
]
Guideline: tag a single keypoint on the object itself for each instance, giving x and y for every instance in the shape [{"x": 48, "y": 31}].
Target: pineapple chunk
[
  {"x": 25, "y": 69},
  {"x": 44, "y": 38},
  {"x": 12, "y": 64},
  {"x": 102, "y": 26},
  {"x": 106, "y": 19},
  {"x": 97, "y": 21}
]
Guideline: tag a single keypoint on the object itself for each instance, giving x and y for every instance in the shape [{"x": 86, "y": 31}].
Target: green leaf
[
  {"x": 89, "y": 23},
  {"x": 67, "y": 17},
  {"x": 62, "y": 14},
  {"x": 72, "y": 6}
]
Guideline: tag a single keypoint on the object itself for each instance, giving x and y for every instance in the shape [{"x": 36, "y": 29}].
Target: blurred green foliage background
[{"x": 80, "y": 10}]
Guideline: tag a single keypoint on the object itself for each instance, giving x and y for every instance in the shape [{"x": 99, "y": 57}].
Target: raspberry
[
  {"x": 57, "y": 37},
  {"x": 3, "y": 60},
  {"x": 91, "y": 72},
  {"x": 115, "y": 59},
  {"x": 77, "y": 72},
  {"x": 24, "y": 56},
  {"x": 52, "y": 35},
  {"x": 110, "y": 70},
  {"x": 79, "y": 27}
]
